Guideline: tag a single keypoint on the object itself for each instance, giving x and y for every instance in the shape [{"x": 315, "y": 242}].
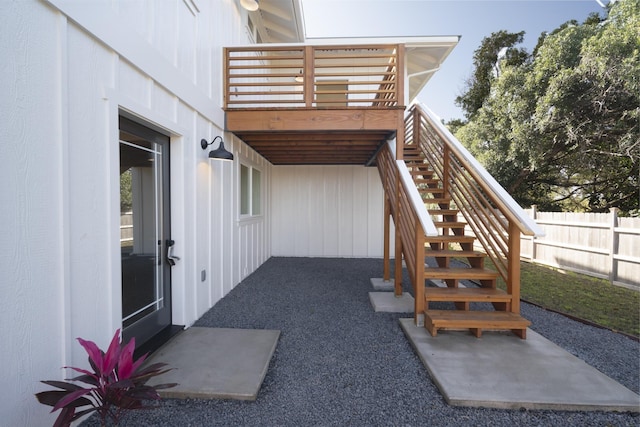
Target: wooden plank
[
  {"x": 449, "y": 224},
  {"x": 450, "y": 239},
  {"x": 443, "y": 211},
  {"x": 476, "y": 321},
  {"x": 453, "y": 253},
  {"x": 239, "y": 121},
  {"x": 459, "y": 273},
  {"x": 466, "y": 294}
]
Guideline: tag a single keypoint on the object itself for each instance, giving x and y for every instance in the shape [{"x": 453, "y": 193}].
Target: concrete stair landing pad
[
  {"x": 389, "y": 303},
  {"x": 216, "y": 363},
  {"x": 500, "y": 370}
]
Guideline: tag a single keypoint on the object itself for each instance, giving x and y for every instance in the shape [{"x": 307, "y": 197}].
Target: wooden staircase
[{"x": 467, "y": 310}]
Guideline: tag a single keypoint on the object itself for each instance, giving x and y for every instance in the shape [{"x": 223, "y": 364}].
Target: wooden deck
[{"x": 315, "y": 104}]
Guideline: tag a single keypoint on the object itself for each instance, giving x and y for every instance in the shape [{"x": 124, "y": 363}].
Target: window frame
[{"x": 250, "y": 188}]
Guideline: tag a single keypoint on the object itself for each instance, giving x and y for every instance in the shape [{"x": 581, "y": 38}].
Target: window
[{"x": 250, "y": 191}]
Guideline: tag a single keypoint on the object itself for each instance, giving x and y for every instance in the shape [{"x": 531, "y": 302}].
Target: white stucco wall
[{"x": 68, "y": 69}]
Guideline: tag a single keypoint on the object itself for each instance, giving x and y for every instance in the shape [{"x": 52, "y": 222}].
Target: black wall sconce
[{"x": 219, "y": 153}]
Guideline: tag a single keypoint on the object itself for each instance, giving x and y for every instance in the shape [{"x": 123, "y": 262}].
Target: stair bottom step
[{"x": 476, "y": 321}]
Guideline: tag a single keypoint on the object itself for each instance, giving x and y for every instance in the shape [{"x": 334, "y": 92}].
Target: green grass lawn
[{"x": 585, "y": 297}]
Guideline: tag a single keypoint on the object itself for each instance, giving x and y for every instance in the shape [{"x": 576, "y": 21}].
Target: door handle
[{"x": 171, "y": 258}]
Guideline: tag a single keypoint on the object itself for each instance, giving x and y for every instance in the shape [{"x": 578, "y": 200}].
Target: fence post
[
  {"x": 534, "y": 214},
  {"x": 613, "y": 223}
]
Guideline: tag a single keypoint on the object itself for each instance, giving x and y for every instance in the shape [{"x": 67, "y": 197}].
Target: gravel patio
[{"x": 339, "y": 363}]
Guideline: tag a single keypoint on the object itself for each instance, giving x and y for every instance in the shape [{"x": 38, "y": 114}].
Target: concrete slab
[
  {"x": 379, "y": 284},
  {"x": 500, "y": 370},
  {"x": 389, "y": 303},
  {"x": 216, "y": 363}
]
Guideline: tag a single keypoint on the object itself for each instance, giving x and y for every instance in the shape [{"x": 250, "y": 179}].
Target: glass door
[{"x": 144, "y": 231}]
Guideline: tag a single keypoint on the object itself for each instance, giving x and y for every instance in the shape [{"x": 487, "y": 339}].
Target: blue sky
[{"x": 471, "y": 19}]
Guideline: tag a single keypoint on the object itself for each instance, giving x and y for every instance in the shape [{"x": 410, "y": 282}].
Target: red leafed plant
[{"x": 117, "y": 384}]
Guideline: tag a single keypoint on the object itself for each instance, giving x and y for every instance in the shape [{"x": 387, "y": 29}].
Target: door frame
[{"x": 154, "y": 325}]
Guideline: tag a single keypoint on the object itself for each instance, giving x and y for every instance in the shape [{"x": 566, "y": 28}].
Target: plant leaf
[
  {"x": 70, "y": 397},
  {"x": 142, "y": 379},
  {"x": 62, "y": 385},
  {"x": 126, "y": 383},
  {"x": 89, "y": 378},
  {"x": 113, "y": 354},
  {"x": 95, "y": 354},
  {"x": 125, "y": 364},
  {"x": 164, "y": 386},
  {"x": 53, "y": 397},
  {"x": 144, "y": 392},
  {"x": 65, "y": 417}
]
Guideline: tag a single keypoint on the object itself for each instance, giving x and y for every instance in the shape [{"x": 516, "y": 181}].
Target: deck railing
[
  {"x": 363, "y": 76},
  {"x": 411, "y": 219},
  {"x": 495, "y": 218}
]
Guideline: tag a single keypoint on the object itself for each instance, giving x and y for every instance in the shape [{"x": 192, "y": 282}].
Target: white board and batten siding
[
  {"x": 74, "y": 67},
  {"x": 326, "y": 211}
]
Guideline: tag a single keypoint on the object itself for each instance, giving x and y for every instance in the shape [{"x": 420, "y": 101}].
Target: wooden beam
[{"x": 349, "y": 119}]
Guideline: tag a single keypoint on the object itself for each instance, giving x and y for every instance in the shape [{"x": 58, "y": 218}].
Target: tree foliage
[
  {"x": 478, "y": 86},
  {"x": 560, "y": 128}
]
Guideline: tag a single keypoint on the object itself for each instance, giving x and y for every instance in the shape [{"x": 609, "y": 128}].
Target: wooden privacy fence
[{"x": 597, "y": 244}]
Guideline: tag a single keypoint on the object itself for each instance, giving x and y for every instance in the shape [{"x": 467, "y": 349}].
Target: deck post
[
  {"x": 401, "y": 76},
  {"x": 419, "y": 301},
  {"x": 386, "y": 268},
  {"x": 397, "y": 289},
  {"x": 513, "y": 267},
  {"x": 400, "y": 133},
  {"x": 398, "y": 237},
  {"x": 309, "y": 75}
]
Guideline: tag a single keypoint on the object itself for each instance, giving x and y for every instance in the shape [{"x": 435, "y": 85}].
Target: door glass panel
[{"x": 141, "y": 229}]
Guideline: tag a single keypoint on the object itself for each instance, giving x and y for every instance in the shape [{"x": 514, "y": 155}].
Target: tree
[
  {"x": 561, "y": 130},
  {"x": 485, "y": 59}
]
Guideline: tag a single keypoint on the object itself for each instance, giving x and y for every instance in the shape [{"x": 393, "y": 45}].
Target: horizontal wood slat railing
[
  {"x": 494, "y": 217},
  {"x": 363, "y": 76},
  {"x": 411, "y": 219}
]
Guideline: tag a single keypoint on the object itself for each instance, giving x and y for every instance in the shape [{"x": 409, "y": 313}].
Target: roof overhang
[
  {"x": 282, "y": 22},
  {"x": 424, "y": 55}
]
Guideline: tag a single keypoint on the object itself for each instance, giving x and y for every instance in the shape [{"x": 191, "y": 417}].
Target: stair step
[
  {"x": 460, "y": 273},
  {"x": 426, "y": 180},
  {"x": 466, "y": 295},
  {"x": 476, "y": 321},
  {"x": 424, "y": 174},
  {"x": 449, "y": 239},
  {"x": 453, "y": 253},
  {"x": 449, "y": 224},
  {"x": 437, "y": 200},
  {"x": 432, "y": 190},
  {"x": 443, "y": 211}
]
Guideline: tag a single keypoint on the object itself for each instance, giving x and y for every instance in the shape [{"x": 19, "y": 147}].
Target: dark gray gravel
[{"x": 338, "y": 363}]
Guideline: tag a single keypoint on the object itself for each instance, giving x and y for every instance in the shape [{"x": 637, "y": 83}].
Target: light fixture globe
[{"x": 250, "y": 5}]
